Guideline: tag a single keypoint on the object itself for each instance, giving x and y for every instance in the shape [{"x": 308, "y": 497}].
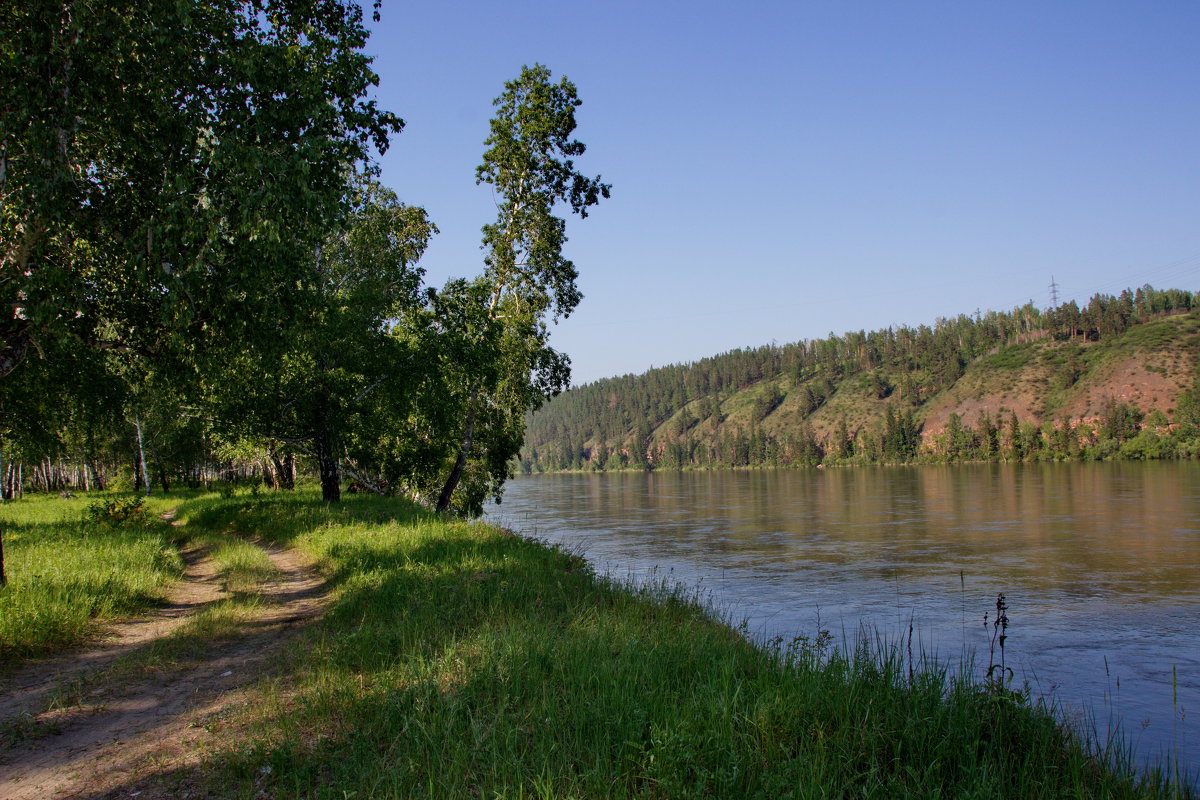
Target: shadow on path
[{"x": 119, "y": 727}]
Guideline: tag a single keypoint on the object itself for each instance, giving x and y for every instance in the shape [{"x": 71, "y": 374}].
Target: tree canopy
[
  {"x": 166, "y": 168},
  {"x": 207, "y": 281}
]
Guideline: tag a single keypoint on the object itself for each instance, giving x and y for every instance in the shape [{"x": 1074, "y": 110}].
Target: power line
[{"x": 1053, "y": 293}]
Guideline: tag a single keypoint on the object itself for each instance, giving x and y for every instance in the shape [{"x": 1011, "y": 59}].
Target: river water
[{"x": 1099, "y": 564}]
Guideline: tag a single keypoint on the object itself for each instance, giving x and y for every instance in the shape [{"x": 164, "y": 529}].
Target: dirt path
[{"x": 118, "y": 731}]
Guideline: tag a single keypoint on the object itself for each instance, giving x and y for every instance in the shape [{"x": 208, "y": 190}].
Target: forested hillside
[{"x": 1115, "y": 378}]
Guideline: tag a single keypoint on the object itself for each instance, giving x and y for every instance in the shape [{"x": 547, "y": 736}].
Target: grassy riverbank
[{"x": 457, "y": 660}]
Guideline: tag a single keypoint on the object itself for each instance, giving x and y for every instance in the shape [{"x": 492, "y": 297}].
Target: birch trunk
[{"x": 137, "y": 424}]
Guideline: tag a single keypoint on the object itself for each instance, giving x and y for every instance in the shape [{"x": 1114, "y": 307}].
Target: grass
[
  {"x": 1169, "y": 334},
  {"x": 49, "y": 617},
  {"x": 242, "y": 565},
  {"x": 1013, "y": 356},
  {"x": 460, "y": 661},
  {"x": 1156, "y": 335},
  {"x": 67, "y": 575}
]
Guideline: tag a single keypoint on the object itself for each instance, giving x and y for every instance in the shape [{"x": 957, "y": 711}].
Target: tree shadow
[
  {"x": 161, "y": 680},
  {"x": 445, "y": 592}
]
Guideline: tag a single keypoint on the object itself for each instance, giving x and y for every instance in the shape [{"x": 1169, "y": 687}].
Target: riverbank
[{"x": 457, "y": 659}]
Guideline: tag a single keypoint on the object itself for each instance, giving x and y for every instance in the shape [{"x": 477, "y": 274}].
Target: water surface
[{"x": 1100, "y": 565}]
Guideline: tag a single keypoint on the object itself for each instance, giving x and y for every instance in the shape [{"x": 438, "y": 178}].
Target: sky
[{"x": 784, "y": 170}]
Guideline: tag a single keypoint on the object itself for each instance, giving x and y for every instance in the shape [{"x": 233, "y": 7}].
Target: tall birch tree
[{"x": 528, "y": 282}]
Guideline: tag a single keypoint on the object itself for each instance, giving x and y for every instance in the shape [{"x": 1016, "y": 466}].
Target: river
[{"x": 1099, "y": 564}]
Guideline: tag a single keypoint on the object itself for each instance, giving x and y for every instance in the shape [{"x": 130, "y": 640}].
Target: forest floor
[{"x": 92, "y": 722}]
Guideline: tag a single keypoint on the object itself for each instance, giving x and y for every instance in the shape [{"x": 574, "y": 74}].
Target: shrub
[{"x": 117, "y": 512}]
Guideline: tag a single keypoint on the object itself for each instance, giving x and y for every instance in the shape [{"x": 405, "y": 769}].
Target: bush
[
  {"x": 1146, "y": 446},
  {"x": 123, "y": 481},
  {"x": 118, "y": 512}
]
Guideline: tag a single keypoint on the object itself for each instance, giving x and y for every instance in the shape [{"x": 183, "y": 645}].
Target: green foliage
[
  {"x": 1119, "y": 421},
  {"x": 529, "y": 163},
  {"x": 168, "y": 167},
  {"x": 117, "y": 512},
  {"x": 194, "y": 243},
  {"x": 1011, "y": 357},
  {"x": 878, "y": 386},
  {"x": 1187, "y": 412},
  {"x": 958, "y": 441},
  {"x": 1147, "y": 445},
  {"x": 123, "y": 481},
  {"x": 845, "y": 387},
  {"x": 338, "y": 380},
  {"x": 1068, "y": 373},
  {"x": 765, "y": 401},
  {"x": 221, "y": 324}
]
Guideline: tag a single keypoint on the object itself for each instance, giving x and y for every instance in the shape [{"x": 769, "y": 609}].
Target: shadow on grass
[
  {"x": 459, "y": 661},
  {"x": 284, "y": 517},
  {"x": 177, "y": 674}
]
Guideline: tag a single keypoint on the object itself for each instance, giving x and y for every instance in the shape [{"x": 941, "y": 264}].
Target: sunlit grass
[
  {"x": 242, "y": 566},
  {"x": 69, "y": 574},
  {"x": 65, "y": 574}
]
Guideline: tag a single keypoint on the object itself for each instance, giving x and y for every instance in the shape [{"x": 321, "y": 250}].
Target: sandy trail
[{"x": 121, "y": 731}]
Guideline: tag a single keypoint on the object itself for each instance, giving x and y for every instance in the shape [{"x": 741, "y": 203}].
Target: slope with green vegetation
[
  {"x": 1117, "y": 378},
  {"x": 459, "y": 660}
]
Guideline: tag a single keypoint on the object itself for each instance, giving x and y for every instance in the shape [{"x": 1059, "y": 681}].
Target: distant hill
[{"x": 1118, "y": 377}]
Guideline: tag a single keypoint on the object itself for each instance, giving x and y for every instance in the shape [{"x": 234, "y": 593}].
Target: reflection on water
[{"x": 1100, "y": 564}]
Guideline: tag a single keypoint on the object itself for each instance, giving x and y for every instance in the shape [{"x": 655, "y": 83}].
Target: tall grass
[
  {"x": 460, "y": 661},
  {"x": 67, "y": 574}
]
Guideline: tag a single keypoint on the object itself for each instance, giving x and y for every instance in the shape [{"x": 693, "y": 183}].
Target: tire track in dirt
[
  {"x": 33, "y": 684},
  {"x": 124, "y": 733}
]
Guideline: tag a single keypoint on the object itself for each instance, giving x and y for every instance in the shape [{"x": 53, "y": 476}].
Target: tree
[
  {"x": 339, "y": 380},
  {"x": 165, "y": 167},
  {"x": 1187, "y": 413},
  {"x": 961, "y": 439},
  {"x": 1014, "y": 448},
  {"x": 34, "y": 422},
  {"x": 989, "y": 436},
  {"x": 878, "y": 386},
  {"x": 529, "y": 165},
  {"x": 1119, "y": 421}
]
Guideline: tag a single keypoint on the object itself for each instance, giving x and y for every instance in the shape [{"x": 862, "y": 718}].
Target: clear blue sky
[{"x": 782, "y": 170}]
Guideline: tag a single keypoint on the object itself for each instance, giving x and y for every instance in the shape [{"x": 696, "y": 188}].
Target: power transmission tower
[{"x": 1053, "y": 293}]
